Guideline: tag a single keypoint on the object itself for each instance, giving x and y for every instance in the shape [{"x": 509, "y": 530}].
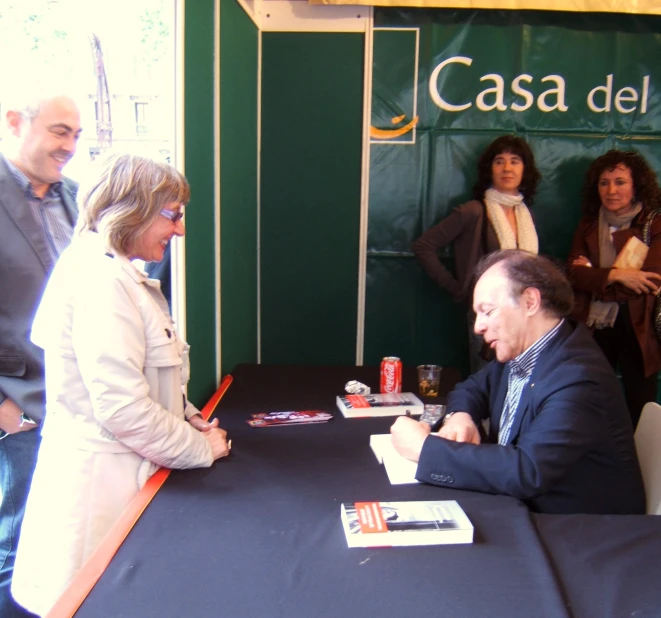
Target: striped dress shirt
[{"x": 520, "y": 370}]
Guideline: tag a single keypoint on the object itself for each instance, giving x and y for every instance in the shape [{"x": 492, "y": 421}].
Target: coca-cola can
[{"x": 391, "y": 375}]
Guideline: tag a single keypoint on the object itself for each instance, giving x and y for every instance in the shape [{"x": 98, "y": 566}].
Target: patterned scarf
[
  {"x": 603, "y": 315},
  {"x": 527, "y": 236}
]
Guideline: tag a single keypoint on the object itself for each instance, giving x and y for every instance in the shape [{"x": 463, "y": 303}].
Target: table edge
[{"x": 81, "y": 585}]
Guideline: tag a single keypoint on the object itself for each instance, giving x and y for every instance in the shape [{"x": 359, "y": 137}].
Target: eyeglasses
[{"x": 173, "y": 215}]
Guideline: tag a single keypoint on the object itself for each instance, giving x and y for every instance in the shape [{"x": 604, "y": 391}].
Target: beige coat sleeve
[{"x": 109, "y": 340}]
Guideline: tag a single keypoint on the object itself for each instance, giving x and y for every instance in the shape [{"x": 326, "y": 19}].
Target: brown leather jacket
[
  {"x": 590, "y": 282},
  {"x": 464, "y": 228}
]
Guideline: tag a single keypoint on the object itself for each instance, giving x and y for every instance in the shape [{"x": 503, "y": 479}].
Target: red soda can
[{"x": 391, "y": 375}]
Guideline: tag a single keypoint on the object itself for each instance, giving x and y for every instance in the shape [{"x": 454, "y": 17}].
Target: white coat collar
[{"x": 139, "y": 276}]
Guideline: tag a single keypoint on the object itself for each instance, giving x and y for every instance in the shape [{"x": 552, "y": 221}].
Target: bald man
[{"x": 37, "y": 216}]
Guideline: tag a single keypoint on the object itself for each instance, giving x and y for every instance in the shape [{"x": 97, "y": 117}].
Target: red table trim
[{"x": 74, "y": 595}]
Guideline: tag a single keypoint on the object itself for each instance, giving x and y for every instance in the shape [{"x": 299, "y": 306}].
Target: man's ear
[
  {"x": 15, "y": 122},
  {"x": 532, "y": 300}
]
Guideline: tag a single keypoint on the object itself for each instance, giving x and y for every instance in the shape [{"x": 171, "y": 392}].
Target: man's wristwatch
[
  {"x": 24, "y": 419},
  {"x": 447, "y": 416}
]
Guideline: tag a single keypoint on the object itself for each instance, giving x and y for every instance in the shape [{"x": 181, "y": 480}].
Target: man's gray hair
[
  {"x": 27, "y": 95},
  {"x": 528, "y": 270}
]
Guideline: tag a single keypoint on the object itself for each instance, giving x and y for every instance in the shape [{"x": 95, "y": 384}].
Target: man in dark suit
[
  {"x": 37, "y": 215},
  {"x": 560, "y": 437}
]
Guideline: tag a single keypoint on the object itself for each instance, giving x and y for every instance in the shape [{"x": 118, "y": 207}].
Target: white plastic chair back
[{"x": 648, "y": 447}]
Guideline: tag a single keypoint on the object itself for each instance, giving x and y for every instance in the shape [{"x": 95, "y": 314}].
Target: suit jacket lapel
[
  {"x": 14, "y": 201},
  {"x": 524, "y": 402},
  {"x": 68, "y": 195},
  {"x": 499, "y": 399}
]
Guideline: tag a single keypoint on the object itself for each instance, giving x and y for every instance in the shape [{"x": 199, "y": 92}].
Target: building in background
[{"x": 120, "y": 55}]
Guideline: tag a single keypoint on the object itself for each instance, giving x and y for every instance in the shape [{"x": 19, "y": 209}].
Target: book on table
[
  {"x": 289, "y": 417},
  {"x": 400, "y": 470},
  {"x": 397, "y": 524},
  {"x": 379, "y": 404}
]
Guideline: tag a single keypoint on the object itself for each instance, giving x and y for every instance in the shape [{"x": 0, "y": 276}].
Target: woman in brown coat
[
  {"x": 620, "y": 191},
  {"x": 497, "y": 218}
]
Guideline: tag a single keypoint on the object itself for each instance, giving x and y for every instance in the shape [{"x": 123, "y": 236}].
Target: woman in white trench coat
[{"x": 115, "y": 367}]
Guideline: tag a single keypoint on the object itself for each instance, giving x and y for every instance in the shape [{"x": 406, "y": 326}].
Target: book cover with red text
[
  {"x": 379, "y": 404},
  {"x": 392, "y": 524}
]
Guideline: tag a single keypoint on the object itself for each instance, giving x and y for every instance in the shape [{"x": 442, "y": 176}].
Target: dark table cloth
[
  {"x": 259, "y": 533},
  {"x": 608, "y": 566}
]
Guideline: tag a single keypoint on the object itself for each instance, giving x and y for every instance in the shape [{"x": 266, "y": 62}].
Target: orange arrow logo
[{"x": 390, "y": 133}]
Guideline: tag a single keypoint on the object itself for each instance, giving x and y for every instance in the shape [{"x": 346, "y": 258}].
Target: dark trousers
[{"x": 621, "y": 348}]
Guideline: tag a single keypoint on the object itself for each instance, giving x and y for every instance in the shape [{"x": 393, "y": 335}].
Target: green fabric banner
[{"x": 445, "y": 84}]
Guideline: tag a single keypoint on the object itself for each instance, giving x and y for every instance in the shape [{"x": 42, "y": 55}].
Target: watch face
[{"x": 432, "y": 413}]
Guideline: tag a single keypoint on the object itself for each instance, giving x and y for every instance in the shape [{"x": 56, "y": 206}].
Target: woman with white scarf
[
  {"x": 497, "y": 218},
  {"x": 619, "y": 193}
]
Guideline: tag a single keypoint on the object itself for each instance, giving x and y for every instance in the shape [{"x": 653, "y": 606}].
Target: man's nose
[
  {"x": 70, "y": 144},
  {"x": 479, "y": 326}
]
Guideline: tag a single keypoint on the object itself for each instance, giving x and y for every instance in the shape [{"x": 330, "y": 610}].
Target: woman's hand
[
  {"x": 216, "y": 436},
  {"x": 581, "y": 260},
  {"x": 200, "y": 424},
  {"x": 638, "y": 281},
  {"x": 217, "y": 439}
]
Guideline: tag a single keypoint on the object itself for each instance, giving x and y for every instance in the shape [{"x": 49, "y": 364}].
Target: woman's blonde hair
[{"x": 125, "y": 195}]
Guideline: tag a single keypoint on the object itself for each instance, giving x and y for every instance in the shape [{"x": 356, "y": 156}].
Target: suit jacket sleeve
[
  {"x": 562, "y": 430},
  {"x": 473, "y": 394}
]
